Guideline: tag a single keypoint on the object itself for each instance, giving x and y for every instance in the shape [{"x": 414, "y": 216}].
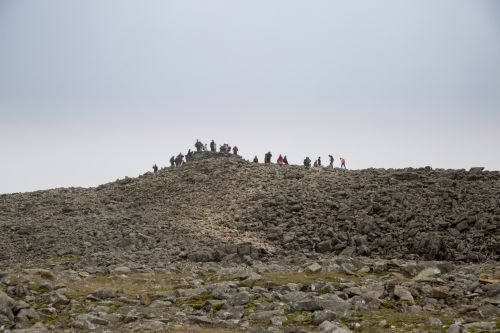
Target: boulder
[
  {"x": 240, "y": 298},
  {"x": 440, "y": 292},
  {"x": 122, "y": 270},
  {"x": 6, "y": 306},
  {"x": 104, "y": 293},
  {"x": 403, "y": 294},
  {"x": 313, "y": 268},
  {"x": 331, "y": 327},
  {"x": 428, "y": 274}
]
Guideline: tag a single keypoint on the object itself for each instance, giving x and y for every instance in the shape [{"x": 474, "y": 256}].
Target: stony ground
[
  {"x": 316, "y": 294},
  {"x": 224, "y": 245}
]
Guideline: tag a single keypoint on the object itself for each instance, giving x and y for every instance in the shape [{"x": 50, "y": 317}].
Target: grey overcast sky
[{"x": 95, "y": 90}]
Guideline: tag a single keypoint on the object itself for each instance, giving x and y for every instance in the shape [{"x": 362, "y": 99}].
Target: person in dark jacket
[
  {"x": 267, "y": 158},
  {"x": 307, "y": 162},
  {"x": 198, "y": 145},
  {"x": 172, "y": 161}
]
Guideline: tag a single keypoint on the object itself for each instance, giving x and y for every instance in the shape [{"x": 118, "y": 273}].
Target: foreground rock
[{"x": 346, "y": 295}]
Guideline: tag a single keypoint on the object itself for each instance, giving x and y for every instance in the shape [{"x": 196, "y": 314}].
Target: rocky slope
[
  {"x": 224, "y": 245},
  {"x": 221, "y": 207}
]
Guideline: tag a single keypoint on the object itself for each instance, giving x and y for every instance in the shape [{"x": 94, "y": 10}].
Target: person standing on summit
[
  {"x": 235, "y": 150},
  {"x": 213, "y": 146},
  {"x": 267, "y": 158},
  {"x": 342, "y": 163},
  {"x": 179, "y": 160},
  {"x": 198, "y": 145},
  {"x": 331, "y": 161},
  {"x": 280, "y": 160}
]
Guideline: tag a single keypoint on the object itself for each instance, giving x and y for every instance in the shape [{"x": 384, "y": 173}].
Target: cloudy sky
[{"x": 92, "y": 90}]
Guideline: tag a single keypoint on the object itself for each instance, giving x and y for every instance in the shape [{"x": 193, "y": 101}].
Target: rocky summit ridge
[{"x": 220, "y": 207}]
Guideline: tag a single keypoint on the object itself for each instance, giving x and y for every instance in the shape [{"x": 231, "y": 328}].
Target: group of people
[
  {"x": 282, "y": 160},
  {"x": 180, "y": 159},
  {"x": 177, "y": 161},
  {"x": 317, "y": 163}
]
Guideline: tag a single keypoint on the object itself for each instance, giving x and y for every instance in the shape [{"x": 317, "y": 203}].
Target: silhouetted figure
[
  {"x": 172, "y": 161},
  {"x": 198, "y": 145},
  {"x": 307, "y": 162},
  {"x": 267, "y": 158},
  {"x": 205, "y": 147},
  {"x": 255, "y": 159},
  {"x": 331, "y": 160},
  {"x": 280, "y": 160},
  {"x": 342, "y": 163},
  {"x": 189, "y": 156},
  {"x": 213, "y": 146},
  {"x": 319, "y": 162},
  {"x": 155, "y": 168},
  {"x": 315, "y": 164},
  {"x": 285, "y": 160},
  {"x": 179, "y": 160},
  {"x": 235, "y": 150}
]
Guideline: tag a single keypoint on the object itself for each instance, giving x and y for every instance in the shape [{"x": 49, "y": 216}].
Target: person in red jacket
[
  {"x": 280, "y": 160},
  {"x": 342, "y": 163}
]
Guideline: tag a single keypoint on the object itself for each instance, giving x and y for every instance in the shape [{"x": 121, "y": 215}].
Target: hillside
[{"x": 211, "y": 208}]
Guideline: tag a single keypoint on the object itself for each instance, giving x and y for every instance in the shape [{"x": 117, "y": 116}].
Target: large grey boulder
[
  {"x": 403, "y": 294},
  {"x": 329, "y": 327},
  {"x": 240, "y": 298},
  {"x": 6, "y": 306},
  {"x": 104, "y": 293}
]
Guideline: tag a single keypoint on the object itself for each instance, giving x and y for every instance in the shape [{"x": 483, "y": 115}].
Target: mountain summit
[{"x": 220, "y": 207}]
